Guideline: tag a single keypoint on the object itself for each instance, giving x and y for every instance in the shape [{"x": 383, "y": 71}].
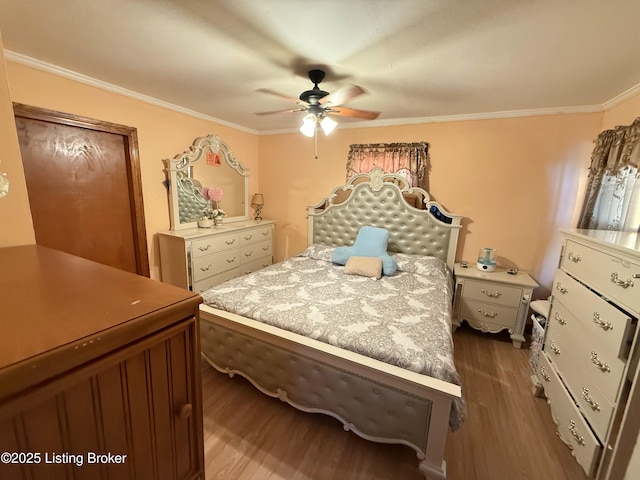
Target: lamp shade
[
  {"x": 308, "y": 125},
  {"x": 258, "y": 199},
  {"x": 328, "y": 124}
]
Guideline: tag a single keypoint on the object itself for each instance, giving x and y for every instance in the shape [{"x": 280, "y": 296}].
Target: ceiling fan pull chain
[{"x": 315, "y": 141}]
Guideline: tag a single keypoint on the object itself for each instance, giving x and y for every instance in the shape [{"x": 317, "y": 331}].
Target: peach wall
[
  {"x": 622, "y": 114},
  {"x": 516, "y": 181},
  {"x": 16, "y": 226},
  {"x": 162, "y": 133}
]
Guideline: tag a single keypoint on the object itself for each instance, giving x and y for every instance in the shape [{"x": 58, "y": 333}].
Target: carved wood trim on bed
[
  {"x": 379, "y": 199},
  {"x": 378, "y": 401}
]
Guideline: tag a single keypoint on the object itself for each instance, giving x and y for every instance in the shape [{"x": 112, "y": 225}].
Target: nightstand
[{"x": 492, "y": 301}]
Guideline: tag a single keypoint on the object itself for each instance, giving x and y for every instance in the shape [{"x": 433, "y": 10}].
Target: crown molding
[
  {"x": 632, "y": 92},
  {"x": 63, "y": 72},
  {"x": 80, "y": 78}
]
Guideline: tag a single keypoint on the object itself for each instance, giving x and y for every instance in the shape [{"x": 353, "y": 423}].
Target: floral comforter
[{"x": 403, "y": 319}]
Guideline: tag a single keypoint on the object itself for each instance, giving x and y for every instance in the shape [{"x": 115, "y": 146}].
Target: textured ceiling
[{"x": 418, "y": 60}]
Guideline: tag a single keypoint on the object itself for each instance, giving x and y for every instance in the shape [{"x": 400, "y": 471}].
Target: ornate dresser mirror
[{"x": 208, "y": 163}]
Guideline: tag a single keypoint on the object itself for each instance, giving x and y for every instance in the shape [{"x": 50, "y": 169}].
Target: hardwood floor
[{"x": 508, "y": 434}]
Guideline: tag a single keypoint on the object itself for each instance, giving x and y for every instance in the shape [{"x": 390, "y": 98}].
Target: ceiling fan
[{"x": 319, "y": 105}]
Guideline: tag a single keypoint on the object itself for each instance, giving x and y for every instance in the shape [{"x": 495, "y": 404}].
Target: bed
[{"x": 406, "y": 389}]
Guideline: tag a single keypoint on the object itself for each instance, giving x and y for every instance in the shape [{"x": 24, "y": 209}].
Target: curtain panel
[
  {"x": 612, "y": 197},
  {"x": 407, "y": 159}
]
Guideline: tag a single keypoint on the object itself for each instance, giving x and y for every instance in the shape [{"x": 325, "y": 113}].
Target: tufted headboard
[{"x": 378, "y": 199}]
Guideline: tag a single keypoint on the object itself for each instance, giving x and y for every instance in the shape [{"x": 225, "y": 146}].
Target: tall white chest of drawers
[
  {"x": 200, "y": 258},
  {"x": 590, "y": 358}
]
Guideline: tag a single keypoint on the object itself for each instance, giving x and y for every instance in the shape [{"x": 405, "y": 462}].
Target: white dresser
[
  {"x": 200, "y": 258},
  {"x": 590, "y": 354}
]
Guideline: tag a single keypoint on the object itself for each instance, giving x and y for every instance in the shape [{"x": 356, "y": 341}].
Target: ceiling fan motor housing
[{"x": 314, "y": 95}]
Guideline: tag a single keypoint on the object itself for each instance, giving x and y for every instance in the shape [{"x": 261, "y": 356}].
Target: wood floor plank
[{"x": 508, "y": 434}]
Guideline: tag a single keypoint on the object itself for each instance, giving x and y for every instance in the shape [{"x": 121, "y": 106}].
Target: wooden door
[{"x": 83, "y": 181}]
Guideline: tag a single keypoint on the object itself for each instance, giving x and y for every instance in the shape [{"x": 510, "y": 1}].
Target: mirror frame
[{"x": 184, "y": 163}]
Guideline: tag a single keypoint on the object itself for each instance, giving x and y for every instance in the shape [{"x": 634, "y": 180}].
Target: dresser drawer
[
  {"x": 257, "y": 250},
  {"x": 256, "y": 235},
  {"x": 254, "y": 265},
  {"x": 572, "y": 427},
  {"x": 204, "y": 267},
  {"x": 209, "y": 282},
  {"x": 605, "y": 323},
  {"x": 493, "y": 293},
  {"x": 576, "y": 354},
  {"x": 214, "y": 243},
  {"x": 488, "y": 317},
  {"x": 596, "y": 406},
  {"x": 610, "y": 275}
]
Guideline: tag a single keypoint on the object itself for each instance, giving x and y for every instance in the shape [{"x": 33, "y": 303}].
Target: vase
[
  {"x": 217, "y": 220},
  {"x": 205, "y": 222}
]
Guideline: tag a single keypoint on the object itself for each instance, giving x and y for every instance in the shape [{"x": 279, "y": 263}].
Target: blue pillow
[{"x": 370, "y": 242}]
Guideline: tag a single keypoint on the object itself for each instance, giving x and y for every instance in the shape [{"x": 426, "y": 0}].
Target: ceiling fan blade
[
  {"x": 353, "y": 112},
  {"x": 342, "y": 95},
  {"x": 288, "y": 110},
  {"x": 281, "y": 95}
]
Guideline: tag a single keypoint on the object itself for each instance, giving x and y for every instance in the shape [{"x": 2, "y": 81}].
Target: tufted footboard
[{"x": 377, "y": 401}]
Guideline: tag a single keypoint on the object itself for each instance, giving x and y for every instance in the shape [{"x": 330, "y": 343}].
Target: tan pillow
[{"x": 365, "y": 266}]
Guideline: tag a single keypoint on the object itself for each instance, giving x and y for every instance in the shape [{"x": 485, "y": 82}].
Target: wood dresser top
[{"x": 55, "y": 306}]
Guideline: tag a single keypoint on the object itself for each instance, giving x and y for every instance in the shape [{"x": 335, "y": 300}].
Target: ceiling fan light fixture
[
  {"x": 328, "y": 124},
  {"x": 308, "y": 126}
]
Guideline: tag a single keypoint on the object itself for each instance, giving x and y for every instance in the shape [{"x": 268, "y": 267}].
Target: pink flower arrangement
[{"x": 214, "y": 194}]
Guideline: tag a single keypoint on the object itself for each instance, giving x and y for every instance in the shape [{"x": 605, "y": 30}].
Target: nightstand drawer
[
  {"x": 493, "y": 293},
  {"x": 495, "y": 317}
]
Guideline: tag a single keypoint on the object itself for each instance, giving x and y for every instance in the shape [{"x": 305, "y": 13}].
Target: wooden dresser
[
  {"x": 590, "y": 351},
  {"x": 200, "y": 258},
  {"x": 99, "y": 372}
]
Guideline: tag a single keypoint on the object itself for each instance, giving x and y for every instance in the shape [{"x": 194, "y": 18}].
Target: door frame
[{"x": 132, "y": 161}]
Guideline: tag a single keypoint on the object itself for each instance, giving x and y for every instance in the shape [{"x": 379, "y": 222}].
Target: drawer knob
[
  {"x": 231, "y": 260},
  {"x": 248, "y": 238},
  {"x": 574, "y": 258},
  {"x": 621, "y": 283},
  {"x": 230, "y": 242},
  {"x": 554, "y": 348},
  {"x": 204, "y": 249},
  {"x": 590, "y": 401},
  {"x": 544, "y": 374},
  {"x": 560, "y": 288},
  {"x": 559, "y": 318},
  {"x": 604, "y": 367},
  {"x": 489, "y": 294},
  {"x": 487, "y": 314},
  {"x": 248, "y": 254},
  {"x": 574, "y": 433},
  {"x": 204, "y": 269},
  {"x": 603, "y": 325}
]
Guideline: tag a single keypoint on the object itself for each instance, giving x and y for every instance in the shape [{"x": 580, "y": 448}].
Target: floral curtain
[
  {"x": 612, "y": 199},
  {"x": 407, "y": 159}
]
